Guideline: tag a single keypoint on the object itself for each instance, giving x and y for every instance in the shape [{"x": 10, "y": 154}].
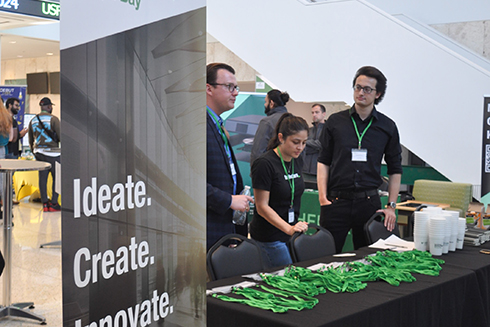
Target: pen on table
[{"x": 398, "y": 246}]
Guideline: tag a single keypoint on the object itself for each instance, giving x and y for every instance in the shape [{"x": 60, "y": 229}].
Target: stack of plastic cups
[
  {"x": 433, "y": 212},
  {"x": 447, "y": 229},
  {"x": 454, "y": 229},
  {"x": 436, "y": 235},
  {"x": 421, "y": 230},
  {"x": 461, "y": 231}
]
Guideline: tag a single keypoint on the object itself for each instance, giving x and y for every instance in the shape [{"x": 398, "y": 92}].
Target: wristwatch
[{"x": 391, "y": 205}]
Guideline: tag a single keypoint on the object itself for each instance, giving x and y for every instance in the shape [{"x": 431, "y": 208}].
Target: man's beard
[{"x": 267, "y": 108}]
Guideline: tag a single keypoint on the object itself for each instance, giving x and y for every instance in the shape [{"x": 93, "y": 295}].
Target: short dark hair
[
  {"x": 287, "y": 125},
  {"x": 279, "y": 98},
  {"x": 212, "y": 71},
  {"x": 11, "y": 101},
  {"x": 375, "y": 73},
  {"x": 322, "y": 107}
]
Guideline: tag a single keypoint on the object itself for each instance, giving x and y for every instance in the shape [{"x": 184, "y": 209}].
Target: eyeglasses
[
  {"x": 230, "y": 87},
  {"x": 366, "y": 89}
]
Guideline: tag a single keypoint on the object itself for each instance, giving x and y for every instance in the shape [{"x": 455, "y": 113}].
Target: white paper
[
  {"x": 393, "y": 243},
  {"x": 227, "y": 289}
]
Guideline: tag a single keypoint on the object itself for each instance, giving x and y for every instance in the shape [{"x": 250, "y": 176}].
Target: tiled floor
[{"x": 36, "y": 272}]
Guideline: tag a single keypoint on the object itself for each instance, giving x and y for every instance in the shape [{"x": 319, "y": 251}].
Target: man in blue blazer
[{"x": 224, "y": 181}]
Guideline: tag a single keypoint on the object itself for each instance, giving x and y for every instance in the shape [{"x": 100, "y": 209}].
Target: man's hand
[
  {"x": 390, "y": 218},
  {"x": 240, "y": 202},
  {"x": 23, "y": 132}
]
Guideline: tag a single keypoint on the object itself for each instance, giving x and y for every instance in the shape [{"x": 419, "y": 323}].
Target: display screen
[{"x": 37, "y": 83}]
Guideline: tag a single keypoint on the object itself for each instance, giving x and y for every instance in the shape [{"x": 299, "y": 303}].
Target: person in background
[
  {"x": 44, "y": 141},
  {"x": 278, "y": 187},
  {"x": 275, "y": 102},
  {"x": 223, "y": 179},
  {"x": 6, "y": 135},
  {"x": 13, "y": 152},
  {"x": 13, "y": 107},
  {"x": 313, "y": 145},
  {"x": 354, "y": 142}
]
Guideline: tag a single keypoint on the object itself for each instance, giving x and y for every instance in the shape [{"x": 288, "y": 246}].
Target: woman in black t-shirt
[{"x": 278, "y": 186}]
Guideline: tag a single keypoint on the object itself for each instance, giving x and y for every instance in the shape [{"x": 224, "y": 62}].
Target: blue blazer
[{"x": 219, "y": 187}]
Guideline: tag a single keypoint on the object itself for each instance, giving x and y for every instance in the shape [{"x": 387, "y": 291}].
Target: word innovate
[
  {"x": 104, "y": 199},
  {"x": 135, "y": 3},
  {"x": 159, "y": 306}
]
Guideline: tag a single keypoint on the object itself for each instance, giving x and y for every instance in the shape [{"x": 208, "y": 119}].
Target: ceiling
[{"x": 15, "y": 46}]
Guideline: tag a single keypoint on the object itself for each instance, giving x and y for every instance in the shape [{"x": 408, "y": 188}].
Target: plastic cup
[
  {"x": 420, "y": 242},
  {"x": 436, "y": 246},
  {"x": 460, "y": 241},
  {"x": 445, "y": 245}
]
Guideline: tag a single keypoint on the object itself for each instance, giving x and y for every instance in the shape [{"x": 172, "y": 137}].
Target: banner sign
[
  {"x": 45, "y": 9},
  {"x": 19, "y": 92},
  {"x": 485, "y": 175},
  {"x": 134, "y": 218}
]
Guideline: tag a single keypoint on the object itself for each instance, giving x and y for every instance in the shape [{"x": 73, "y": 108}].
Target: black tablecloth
[{"x": 459, "y": 296}]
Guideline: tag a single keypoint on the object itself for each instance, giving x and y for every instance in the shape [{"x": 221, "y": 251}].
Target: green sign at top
[{"x": 45, "y": 9}]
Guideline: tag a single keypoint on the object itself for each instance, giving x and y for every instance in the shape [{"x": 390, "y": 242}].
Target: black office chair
[
  {"x": 242, "y": 257},
  {"x": 374, "y": 229},
  {"x": 303, "y": 246}
]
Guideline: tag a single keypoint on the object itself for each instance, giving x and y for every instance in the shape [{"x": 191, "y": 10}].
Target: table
[
  {"x": 8, "y": 167},
  {"x": 459, "y": 296}
]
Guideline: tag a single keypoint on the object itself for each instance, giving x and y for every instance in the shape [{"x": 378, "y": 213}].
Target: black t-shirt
[
  {"x": 13, "y": 147},
  {"x": 268, "y": 174}
]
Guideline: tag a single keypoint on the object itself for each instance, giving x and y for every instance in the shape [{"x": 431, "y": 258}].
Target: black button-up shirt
[{"x": 339, "y": 138}]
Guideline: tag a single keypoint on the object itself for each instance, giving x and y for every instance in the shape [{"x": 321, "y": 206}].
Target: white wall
[
  {"x": 438, "y": 11},
  {"x": 19, "y": 68},
  {"x": 434, "y": 95}
]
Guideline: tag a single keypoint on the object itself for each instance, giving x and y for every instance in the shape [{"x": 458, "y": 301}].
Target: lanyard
[
  {"x": 290, "y": 180},
  {"x": 359, "y": 137},
  {"x": 218, "y": 124}
]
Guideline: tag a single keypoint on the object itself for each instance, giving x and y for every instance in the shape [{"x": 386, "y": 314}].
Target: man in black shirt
[
  {"x": 354, "y": 142},
  {"x": 13, "y": 107}
]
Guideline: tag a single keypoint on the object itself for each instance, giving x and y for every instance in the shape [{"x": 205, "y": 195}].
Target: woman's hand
[{"x": 299, "y": 227}]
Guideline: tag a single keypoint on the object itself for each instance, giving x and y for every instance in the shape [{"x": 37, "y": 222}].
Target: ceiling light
[
  {"x": 49, "y": 53},
  {"x": 13, "y": 42},
  {"x": 20, "y": 56}
]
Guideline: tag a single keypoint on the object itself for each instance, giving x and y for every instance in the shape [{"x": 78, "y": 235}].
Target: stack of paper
[{"x": 393, "y": 243}]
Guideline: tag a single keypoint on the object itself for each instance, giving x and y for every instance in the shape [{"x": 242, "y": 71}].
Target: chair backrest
[
  {"x": 457, "y": 195},
  {"x": 374, "y": 229},
  {"x": 224, "y": 261},
  {"x": 305, "y": 247}
]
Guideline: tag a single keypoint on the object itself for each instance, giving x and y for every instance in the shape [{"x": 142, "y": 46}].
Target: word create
[
  {"x": 133, "y": 257},
  {"x": 104, "y": 198}
]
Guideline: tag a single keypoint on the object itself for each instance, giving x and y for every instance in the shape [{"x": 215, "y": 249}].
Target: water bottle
[{"x": 240, "y": 217}]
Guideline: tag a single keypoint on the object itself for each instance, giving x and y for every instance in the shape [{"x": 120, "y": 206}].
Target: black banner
[
  {"x": 133, "y": 166},
  {"x": 485, "y": 174}
]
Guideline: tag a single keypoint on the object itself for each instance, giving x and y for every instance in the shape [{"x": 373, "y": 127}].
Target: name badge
[
  {"x": 359, "y": 155},
  {"x": 291, "y": 215},
  {"x": 232, "y": 167}
]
